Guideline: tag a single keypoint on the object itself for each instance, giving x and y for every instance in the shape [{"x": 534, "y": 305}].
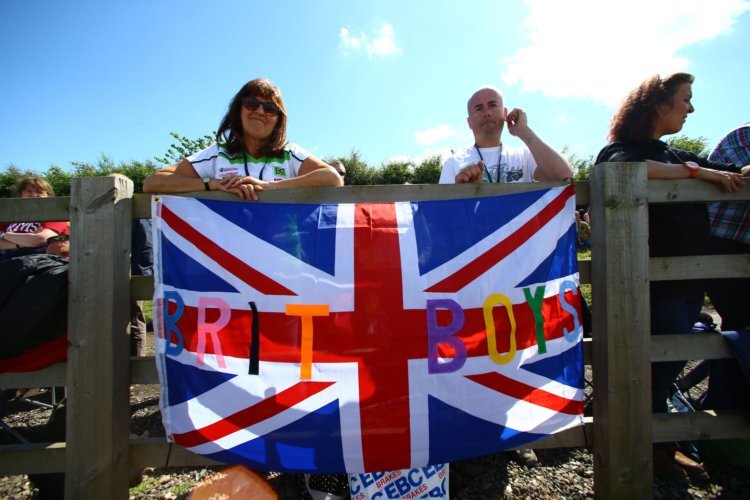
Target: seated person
[
  {"x": 338, "y": 165},
  {"x": 584, "y": 233},
  {"x": 141, "y": 264},
  {"x": 251, "y": 153},
  {"x": 59, "y": 245},
  {"x": 22, "y": 238},
  {"x": 33, "y": 311}
]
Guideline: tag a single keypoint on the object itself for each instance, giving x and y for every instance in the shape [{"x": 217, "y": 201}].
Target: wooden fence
[{"x": 98, "y": 455}]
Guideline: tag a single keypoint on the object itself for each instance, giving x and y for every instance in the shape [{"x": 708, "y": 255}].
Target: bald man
[{"x": 489, "y": 160}]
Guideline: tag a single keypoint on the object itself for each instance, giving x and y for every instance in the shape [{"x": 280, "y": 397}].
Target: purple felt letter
[{"x": 437, "y": 334}]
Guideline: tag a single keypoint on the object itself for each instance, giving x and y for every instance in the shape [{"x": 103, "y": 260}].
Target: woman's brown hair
[
  {"x": 230, "y": 130},
  {"x": 36, "y": 184},
  {"x": 635, "y": 121}
]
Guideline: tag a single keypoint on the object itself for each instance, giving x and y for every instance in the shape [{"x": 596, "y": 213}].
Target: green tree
[
  {"x": 580, "y": 166},
  {"x": 137, "y": 171},
  {"x": 697, "y": 145},
  {"x": 358, "y": 173},
  {"x": 184, "y": 147},
  {"x": 395, "y": 172},
  {"x": 428, "y": 172},
  {"x": 103, "y": 166},
  {"x": 59, "y": 179},
  {"x": 9, "y": 177}
]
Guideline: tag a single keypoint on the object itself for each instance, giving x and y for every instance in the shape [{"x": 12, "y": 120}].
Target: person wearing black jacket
[
  {"x": 33, "y": 311},
  {"x": 141, "y": 264},
  {"x": 659, "y": 107}
]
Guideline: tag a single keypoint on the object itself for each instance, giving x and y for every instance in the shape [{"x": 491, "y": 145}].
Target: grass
[
  {"x": 148, "y": 310},
  {"x": 585, "y": 289},
  {"x": 145, "y": 485},
  {"x": 586, "y": 292},
  {"x": 182, "y": 488},
  {"x": 150, "y": 482}
]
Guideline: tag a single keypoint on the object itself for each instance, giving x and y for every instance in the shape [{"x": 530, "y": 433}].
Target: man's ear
[
  {"x": 505, "y": 113},
  {"x": 468, "y": 121}
]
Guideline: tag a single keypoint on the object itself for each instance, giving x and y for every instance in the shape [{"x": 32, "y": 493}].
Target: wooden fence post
[
  {"x": 621, "y": 330},
  {"x": 97, "y": 460}
]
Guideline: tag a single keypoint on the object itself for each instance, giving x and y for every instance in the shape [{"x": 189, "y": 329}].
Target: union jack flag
[{"x": 370, "y": 336}]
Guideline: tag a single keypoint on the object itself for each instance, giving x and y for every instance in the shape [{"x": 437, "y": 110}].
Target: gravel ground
[{"x": 561, "y": 473}]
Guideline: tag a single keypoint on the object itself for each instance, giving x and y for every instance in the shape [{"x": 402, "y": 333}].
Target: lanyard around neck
[
  {"x": 499, "y": 157},
  {"x": 247, "y": 172}
]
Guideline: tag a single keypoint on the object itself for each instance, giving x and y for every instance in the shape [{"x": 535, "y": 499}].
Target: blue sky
[{"x": 389, "y": 78}]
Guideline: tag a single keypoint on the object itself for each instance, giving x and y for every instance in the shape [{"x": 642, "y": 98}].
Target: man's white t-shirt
[{"x": 502, "y": 163}]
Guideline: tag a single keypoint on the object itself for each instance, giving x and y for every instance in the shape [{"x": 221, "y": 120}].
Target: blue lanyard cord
[
  {"x": 247, "y": 172},
  {"x": 499, "y": 157}
]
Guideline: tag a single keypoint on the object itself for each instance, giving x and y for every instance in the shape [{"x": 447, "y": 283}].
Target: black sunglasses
[
  {"x": 252, "y": 104},
  {"x": 58, "y": 237}
]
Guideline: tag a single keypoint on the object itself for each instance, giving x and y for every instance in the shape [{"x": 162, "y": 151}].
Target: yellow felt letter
[{"x": 489, "y": 304}]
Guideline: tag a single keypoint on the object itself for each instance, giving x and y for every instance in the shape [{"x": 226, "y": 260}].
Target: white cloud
[
  {"x": 383, "y": 45},
  {"x": 347, "y": 42},
  {"x": 599, "y": 49},
  {"x": 435, "y": 134}
]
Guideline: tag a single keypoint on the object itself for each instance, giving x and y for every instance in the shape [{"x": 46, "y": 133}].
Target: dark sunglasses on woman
[{"x": 252, "y": 104}]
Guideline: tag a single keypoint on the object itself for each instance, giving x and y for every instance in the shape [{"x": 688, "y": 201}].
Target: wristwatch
[
  {"x": 693, "y": 167},
  {"x": 206, "y": 180}
]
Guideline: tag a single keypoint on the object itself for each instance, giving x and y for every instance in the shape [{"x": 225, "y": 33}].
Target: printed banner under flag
[{"x": 369, "y": 336}]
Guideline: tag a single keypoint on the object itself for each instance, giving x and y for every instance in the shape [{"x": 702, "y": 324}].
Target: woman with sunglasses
[
  {"x": 659, "y": 107},
  {"x": 251, "y": 153}
]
